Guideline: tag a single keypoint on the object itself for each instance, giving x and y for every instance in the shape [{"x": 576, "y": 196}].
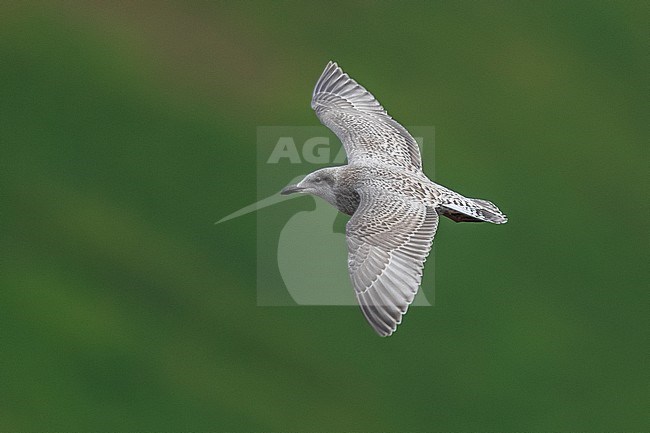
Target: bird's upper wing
[
  {"x": 389, "y": 238},
  {"x": 361, "y": 123}
]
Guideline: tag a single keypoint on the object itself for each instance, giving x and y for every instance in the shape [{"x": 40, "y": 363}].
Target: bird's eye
[{"x": 318, "y": 179}]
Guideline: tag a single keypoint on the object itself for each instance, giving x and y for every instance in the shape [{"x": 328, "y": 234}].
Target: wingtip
[{"x": 332, "y": 67}]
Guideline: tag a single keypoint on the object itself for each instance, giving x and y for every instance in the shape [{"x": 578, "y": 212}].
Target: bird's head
[{"x": 321, "y": 183}]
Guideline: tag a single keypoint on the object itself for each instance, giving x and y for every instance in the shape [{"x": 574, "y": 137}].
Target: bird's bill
[{"x": 291, "y": 189}]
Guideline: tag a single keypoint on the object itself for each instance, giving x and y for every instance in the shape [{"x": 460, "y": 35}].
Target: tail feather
[{"x": 462, "y": 209}]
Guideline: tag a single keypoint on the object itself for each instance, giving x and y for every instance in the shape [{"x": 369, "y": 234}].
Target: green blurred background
[{"x": 128, "y": 128}]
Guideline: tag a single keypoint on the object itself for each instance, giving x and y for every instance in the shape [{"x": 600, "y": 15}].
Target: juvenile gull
[{"x": 394, "y": 206}]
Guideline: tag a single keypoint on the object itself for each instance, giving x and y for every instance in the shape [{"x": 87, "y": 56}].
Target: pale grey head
[{"x": 328, "y": 184}]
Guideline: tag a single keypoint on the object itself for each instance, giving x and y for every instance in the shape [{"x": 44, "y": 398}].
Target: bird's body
[{"x": 394, "y": 206}]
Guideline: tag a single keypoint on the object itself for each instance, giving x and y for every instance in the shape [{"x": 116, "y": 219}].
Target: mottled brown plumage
[{"x": 394, "y": 206}]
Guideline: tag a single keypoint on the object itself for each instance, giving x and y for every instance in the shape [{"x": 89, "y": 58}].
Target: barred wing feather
[{"x": 364, "y": 127}]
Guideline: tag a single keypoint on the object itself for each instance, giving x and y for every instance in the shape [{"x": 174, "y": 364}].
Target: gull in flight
[{"x": 393, "y": 204}]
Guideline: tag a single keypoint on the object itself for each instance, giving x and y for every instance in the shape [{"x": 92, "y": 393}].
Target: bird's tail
[{"x": 463, "y": 209}]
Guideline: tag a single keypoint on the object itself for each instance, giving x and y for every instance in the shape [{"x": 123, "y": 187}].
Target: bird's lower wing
[{"x": 389, "y": 238}]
